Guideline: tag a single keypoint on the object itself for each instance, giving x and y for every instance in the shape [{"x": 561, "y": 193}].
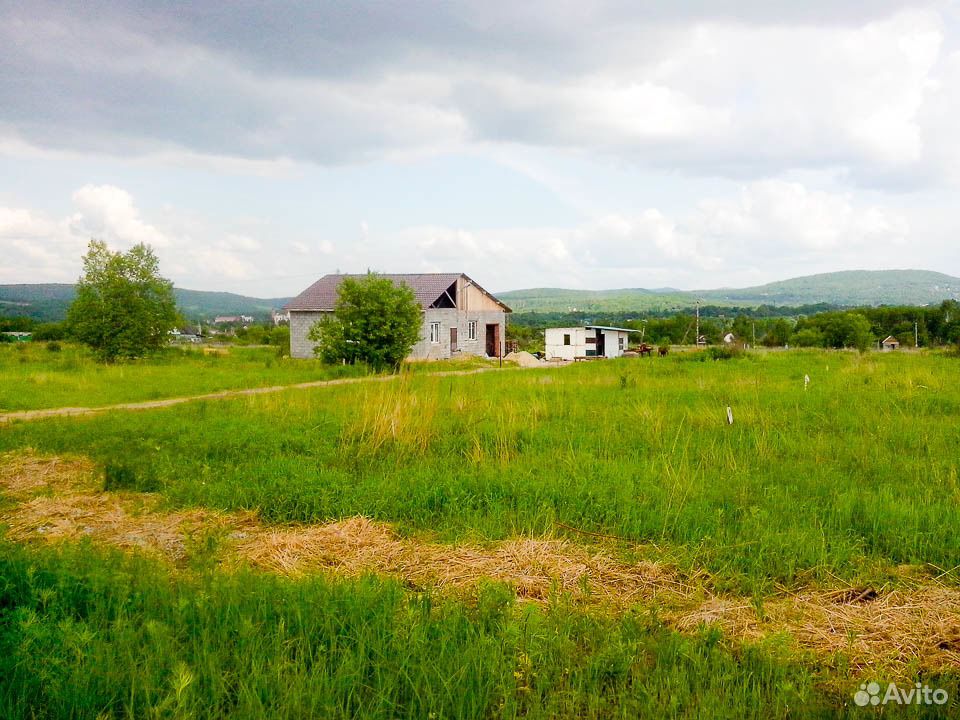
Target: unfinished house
[
  {"x": 459, "y": 316},
  {"x": 588, "y": 342}
]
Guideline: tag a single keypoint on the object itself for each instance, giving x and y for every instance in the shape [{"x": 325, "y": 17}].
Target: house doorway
[
  {"x": 601, "y": 343},
  {"x": 453, "y": 340},
  {"x": 493, "y": 340}
]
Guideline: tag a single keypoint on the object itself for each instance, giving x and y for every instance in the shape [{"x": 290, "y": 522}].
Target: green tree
[
  {"x": 742, "y": 329},
  {"x": 849, "y": 329},
  {"x": 808, "y": 337},
  {"x": 778, "y": 334},
  {"x": 374, "y": 322},
  {"x": 123, "y": 308}
]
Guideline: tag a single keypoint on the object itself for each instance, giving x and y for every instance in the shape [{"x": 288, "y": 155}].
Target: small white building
[{"x": 590, "y": 341}]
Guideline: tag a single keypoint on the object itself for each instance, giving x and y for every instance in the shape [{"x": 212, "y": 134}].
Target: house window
[
  {"x": 434, "y": 332},
  {"x": 566, "y": 339},
  {"x": 472, "y": 330},
  {"x": 620, "y": 341}
]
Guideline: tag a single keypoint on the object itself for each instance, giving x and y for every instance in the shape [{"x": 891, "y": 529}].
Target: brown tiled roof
[{"x": 322, "y": 295}]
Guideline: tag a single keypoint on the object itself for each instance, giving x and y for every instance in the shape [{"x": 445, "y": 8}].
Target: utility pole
[
  {"x": 696, "y": 340},
  {"x": 916, "y": 335},
  {"x": 754, "y": 334}
]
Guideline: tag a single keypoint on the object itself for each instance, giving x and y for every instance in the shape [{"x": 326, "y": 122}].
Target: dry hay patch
[
  {"x": 919, "y": 624},
  {"x": 536, "y": 568},
  {"x": 25, "y": 473},
  {"x": 57, "y": 499}
]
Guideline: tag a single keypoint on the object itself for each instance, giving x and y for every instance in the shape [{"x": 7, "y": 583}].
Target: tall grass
[
  {"x": 849, "y": 477},
  {"x": 86, "y": 634}
]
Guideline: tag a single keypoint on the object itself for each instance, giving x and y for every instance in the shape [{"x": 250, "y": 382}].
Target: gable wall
[{"x": 471, "y": 299}]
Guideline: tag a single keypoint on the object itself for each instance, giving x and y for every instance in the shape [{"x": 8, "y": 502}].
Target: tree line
[{"x": 826, "y": 326}]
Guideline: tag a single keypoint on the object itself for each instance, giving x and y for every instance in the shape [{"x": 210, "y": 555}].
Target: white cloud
[
  {"x": 40, "y": 249},
  {"x": 108, "y": 213},
  {"x": 764, "y": 232},
  {"x": 20, "y": 223},
  {"x": 240, "y": 243},
  {"x": 768, "y": 230},
  {"x": 774, "y": 217}
]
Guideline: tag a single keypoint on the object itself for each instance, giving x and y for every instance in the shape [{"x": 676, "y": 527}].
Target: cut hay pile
[
  {"x": 899, "y": 627},
  {"x": 536, "y": 568},
  {"x": 916, "y": 625}
]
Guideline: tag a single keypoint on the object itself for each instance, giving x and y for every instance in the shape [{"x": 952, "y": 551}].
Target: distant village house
[
  {"x": 459, "y": 316},
  {"x": 590, "y": 341},
  {"x": 889, "y": 343},
  {"x": 232, "y": 319},
  {"x": 18, "y": 336}
]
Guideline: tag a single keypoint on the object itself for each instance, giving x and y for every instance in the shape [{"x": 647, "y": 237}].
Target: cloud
[
  {"x": 744, "y": 91},
  {"x": 767, "y": 230},
  {"x": 658, "y": 143},
  {"x": 41, "y": 249},
  {"x": 35, "y": 246},
  {"x": 764, "y": 232},
  {"x": 777, "y": 218},
  {"x": 108, "y": 213}
]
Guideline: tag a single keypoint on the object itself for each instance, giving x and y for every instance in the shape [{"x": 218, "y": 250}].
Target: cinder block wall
[
  {"x": 300, "y": 324},
  {"x": 425, "y": 350}
]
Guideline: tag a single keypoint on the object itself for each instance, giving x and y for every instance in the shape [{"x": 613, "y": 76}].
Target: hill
[
  {"x": 852, "y": 287},
  {"x": 847, "y": 288},
  {"x": 49, "y": 302}
]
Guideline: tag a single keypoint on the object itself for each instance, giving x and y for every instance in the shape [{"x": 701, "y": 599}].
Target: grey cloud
[{"x": 341, "y": 82}]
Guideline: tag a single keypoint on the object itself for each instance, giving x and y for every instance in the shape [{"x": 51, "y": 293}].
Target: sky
[{"x": 546, "y": 143}]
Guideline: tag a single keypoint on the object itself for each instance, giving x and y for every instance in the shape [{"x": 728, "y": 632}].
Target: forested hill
[
  {"x": 49, "y": 302},
  {"x": 847, "y": 288}
]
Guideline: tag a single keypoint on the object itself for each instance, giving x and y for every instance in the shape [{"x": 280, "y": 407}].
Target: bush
[
  {"x": 50, "y": 331},
  {"x": 715, "y": 352},
  {"x": 53, "y": 346},
  {"x": 725, "y": 352},
  {"x": 375, "y": 323},
  {"x": 808, "y": 337}
]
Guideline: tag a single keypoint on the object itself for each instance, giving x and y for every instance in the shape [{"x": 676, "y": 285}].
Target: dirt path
[
  {"x": 219, "y": 395},
  {"x": 916, "y": 625}
]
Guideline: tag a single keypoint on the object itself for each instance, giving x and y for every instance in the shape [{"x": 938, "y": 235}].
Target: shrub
[
  {"x": 715, "y": 352},
  {"x": 375, "y": 323},
  {"x": 53, "y": 346}
]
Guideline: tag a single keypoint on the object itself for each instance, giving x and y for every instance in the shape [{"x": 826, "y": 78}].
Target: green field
[
  {"x": 824, "y": 509},
  {"x": 33, "y": 377}
]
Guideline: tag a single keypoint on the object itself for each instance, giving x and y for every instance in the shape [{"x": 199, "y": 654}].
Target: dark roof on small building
[
  {"x": 889, "y": 340},
  {"x": 608, "y": 327},
  {"x": 427, "y": 287}
]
